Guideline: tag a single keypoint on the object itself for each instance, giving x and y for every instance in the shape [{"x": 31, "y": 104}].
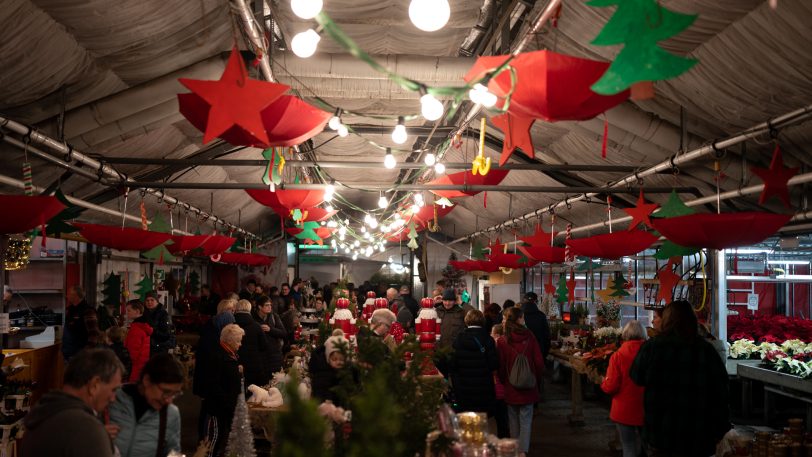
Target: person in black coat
[
  {"x": 162, "y": 339},
  {"x": 254, "y": 350},
  {"x": 325, "y": 362},
  {"x": 222, "y": 388},
  {"x": 471, "y": 366},
  {"x": 271, "y": 324},
  {"x": 208, "y": 301},
  {"x": 536, "y": 322}
]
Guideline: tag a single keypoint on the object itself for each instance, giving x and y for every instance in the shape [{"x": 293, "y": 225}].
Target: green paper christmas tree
[
  {"x": 112, "y": 290},
  {"x": 412, "y": 237},
  {"x": 276, "y": 163},
  {"x": 561, "y": 292},
  {"x": 477, "y": 251},
  {"x": 640, "y": 25},
  {"x": 587, "y": 264},
  {"x": 160, "y": 252},
  {"x": 193, "y": 285},
  {"x": 670, "y": 249},
  {"x": 144, "y": 286},
  {"x": 58, "y": 224},
  {"x": 618, "y": 287},
  {"x": 674, "y": 207}
]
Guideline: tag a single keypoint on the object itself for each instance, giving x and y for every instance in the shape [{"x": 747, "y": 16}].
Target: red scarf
[{"x": 228, "y": 350}]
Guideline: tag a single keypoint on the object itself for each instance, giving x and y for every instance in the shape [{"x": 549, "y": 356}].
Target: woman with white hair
[
  {"x": 627, "y": 397},
  {"x": 222, "y": 387}
]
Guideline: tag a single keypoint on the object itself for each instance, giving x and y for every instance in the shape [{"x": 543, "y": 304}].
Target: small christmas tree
[
  {"x": 112, "y": 290},
  {"x": 160, "y": 252},
  {"x": 193, "y": 285},
  {"x": 452, "y": 276},
  {"x": 241, "y": 437},
  {"x": 561, "y": 292},
  {"x": 618, "y": 286},
  {"x": 144, "y": 286}
]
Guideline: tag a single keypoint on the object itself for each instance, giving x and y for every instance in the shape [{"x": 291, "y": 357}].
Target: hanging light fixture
[
  {"x": 343, "y": 131},
  {"x": 335, "y": 121},
  {"x": 480, "y": 94},
  {"x": 389, "y": 160},
  {"x": 329, "y": 192},
  {"x": 304, "y": 44},
  {"x": 330, "y": 209},
  {"x": 399, "y": 134},
  {"x": 439, "y": 168},
  {"x": 306, "y": 9},
  {"x": 430, "y": 159},
  {"x": 429, "y": 15},
  {"x": 382, "y": 202},
  {"x": 430, "y": 107}
]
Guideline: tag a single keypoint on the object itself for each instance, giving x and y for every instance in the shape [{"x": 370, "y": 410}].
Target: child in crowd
[
  {"x": 137, "y": 342},
  {"x": 115, "y": 340}
]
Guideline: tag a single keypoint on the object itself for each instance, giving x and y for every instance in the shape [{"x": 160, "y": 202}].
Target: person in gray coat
[{"x": 453, "y": 318}]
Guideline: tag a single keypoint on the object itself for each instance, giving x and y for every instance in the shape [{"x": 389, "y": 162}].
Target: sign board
[{"x": 752, "y": 302}]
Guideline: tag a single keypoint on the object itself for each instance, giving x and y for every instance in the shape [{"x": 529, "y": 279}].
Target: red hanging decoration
[
  {"x": 287, "y": 199},
  {"x": 667, "y": 280},
  {"x": 641, "y": 214},
  {"x": 493, "y": 178},
  {"x": 605, "y": 136},
  {"x": 517, "y": 135},
  {"x": 775, "y": 179},
  {"x": 24, "y": 213},
  {"x": 206, "y": 245},
  {"x": 612, "y": 245},
  {"x": 252, "y": 260},
  {"x": 121, "y": 238},
  {"x": 720, "y": 231}
]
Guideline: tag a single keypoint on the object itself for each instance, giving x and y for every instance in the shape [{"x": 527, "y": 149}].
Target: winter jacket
[
  {"x": 124, "y": 357},
  {"x": 323, "y": 377},
  {"x": 686, "y": 409},
  {"x": 453, "y": 323},
  {"x": 627, "y": 397},
  {"x": 161, "y": 340},
  {"x": 222, "y": 383},
  {"x": 208, "y": 305},
  {"x": 254, "y": 351},
  {"x": 74, "y": 336},
  {"x": 521, "y": 341},
  {"x": 276, "y": 339},
  {"x": 410, "y": 303},
  {"x": 208, "y": 342},
  {"x": 137, "y": 343},
  {"x": 61, "y": 425},
  {"x": 406, "y": 319},
  {"x": 536, "y": 322},
  {"x": 139, "y": 437},
  {"x": 471, "y": 370}
]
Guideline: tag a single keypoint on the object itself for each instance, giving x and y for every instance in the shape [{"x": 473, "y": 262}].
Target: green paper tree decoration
[
  {"x": 193, "y": 285},
  {"x": 670, "y": 249},
  {"x": 561, "y": 292},
  {"x": 639, "y": 25},
  {"x": 276, "y": 163},
  {"x": 112, "y": 290},
  {"x": 618, "y": 287},
  {"x": 58, "y": 224},
  {"x": 309, "y": 232},
  {"x": 674, "y": 207},
  {"x": 587, "y": 264},
  {"x": 412, "y": 237},
  {"x": 477, "y": 251},
  {"x": 160, "y": 252},
  {"x": 143, "y": 286}
]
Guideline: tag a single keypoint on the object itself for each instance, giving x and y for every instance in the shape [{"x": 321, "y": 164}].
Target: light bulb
[
  {"x": 323, "y": 223},
  {"x": 306, "y": 9},
  {"x": 342, "y": 237},
  {"x": 343, "y": 131},
  {"x": 369, "y": 251},
  {"x": 332, "y": 224},
  {"x": 373, "y": 224},
  {"x": 363, "y": 230},
  {"x": 335, "y": 123},
  {"x": 480, "y": 94},
  {"x": 357, "y": 243},
  {"x": 342, "y": 230},
  {"x": 366, "y": 235},
  {"x": 415, "y": 209},
  {"x": 418, "y": 198},
  {"x": 430, "y": 159},
  {"x": 398, "y": 216},
  {"x": 330, "y": 189},
  {"x": 389, "y": 160},
  {"x": 429, "y": 15},
  {"x": 304, "y": 44},
  {"x": 384, "y": 228},
  {"x": 329, "y": 208},
  {"x": 399, "y": 134},
  {"x": 430, "y": 107},
  {"x": 382, "y": 202},
  {"x": 328, "y": 196},
  {"x": 381, "y": 248},
  {"x": 439, "y": 168},
  {"x": 346, "y": 250},
  {"x": 355, "y": 256},
  {"x": 333, "y": 243}
]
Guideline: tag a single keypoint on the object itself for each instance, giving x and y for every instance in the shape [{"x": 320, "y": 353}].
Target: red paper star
[
  {"x": 236, "y": 100},
  {"x": 641, "y": 213},
  {"x": 668, "y": 280},
  {"x": 571, "y": 287},
  {"x": 539, "y": 237},
  {"x": 775, "y": 179},
  {"x": 517, "y": 134},
  {"x": 549, "y": 288}
]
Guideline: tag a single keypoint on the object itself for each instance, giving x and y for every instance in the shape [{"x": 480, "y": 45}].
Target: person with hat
[
  {"x": 324, "y": 365},
  {"x": 161, "y": 340},
  {"x": 536, "y": 322},
  {"x": 453, "y": 318}
]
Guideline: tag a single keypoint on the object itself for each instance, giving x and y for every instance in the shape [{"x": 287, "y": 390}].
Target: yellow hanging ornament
[{"x": 481, "y": 164}]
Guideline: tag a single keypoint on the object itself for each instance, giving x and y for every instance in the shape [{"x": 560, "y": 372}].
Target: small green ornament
[
  {"x": 477, "y": 251},
  {"x": 112, "y": 290},
  {"x": 562, "y": 293},
  {"x": 670, "y": 249},
  {"x": 640, "y": 25},
  {"x": 618, "y": 287},
  {"x": 587, "y": 264},
  {"x": 308, "y": 232},
  {"x": 674, "y": 207},
  {"x": 159, "y": 224},
  {"x": 276, "y": 164}
]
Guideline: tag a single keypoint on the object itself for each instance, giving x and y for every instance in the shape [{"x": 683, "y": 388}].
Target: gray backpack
[{"x": 521, "y": 374}]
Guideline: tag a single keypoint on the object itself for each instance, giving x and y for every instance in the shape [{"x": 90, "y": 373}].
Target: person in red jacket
[
  {"x": 519, "y": 340},
  {"x": 137, "y": 342},
  {"x": 627, "y": 397}
]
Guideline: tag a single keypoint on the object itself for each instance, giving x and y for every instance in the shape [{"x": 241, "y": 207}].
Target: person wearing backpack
[{"x": 520, "y": 369}]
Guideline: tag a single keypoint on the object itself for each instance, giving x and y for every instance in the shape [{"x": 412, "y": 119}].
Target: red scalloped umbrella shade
[
  {"x": 240, "y": 258},
  {"x": 426, "y": 214},
  {"x": 287, "y": 198},
  {"x": 475, "y": 265},
  {"x": 612, "y": 245},
  {"x": 217, "y": 244},
  {"x": 513, "y": 261},
  {"x": 23, "y": 213},
  {"x": 185, "y": 243},
  {"x": 324, "y": 232},
  {"x": 546, "y": 254},
  {"x": 493, "y": 178},
  {"x": 549, "y": 86},
  {"x": 288, "y": 121},
  {"x": 123, "y": 239},
  {"x": 203, "y": 244},
  {"x": 720, "y": 231}
]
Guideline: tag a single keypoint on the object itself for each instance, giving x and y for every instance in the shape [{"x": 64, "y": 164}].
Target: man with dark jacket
[
  {"x": 275, "y": 333},
  {"x": 208, "y": 301},
  {"x": 253, "y": 353},
  {"x": 162, "y": 339},
  {"x": 66, "y": 423},
  {"x": 74, "y": 337},
  {"x": 409, "y": 301},
  {"x": 536, "y": 322},
  {"x": 472, "y": 365},
  {"x": 453, "y": 318}
]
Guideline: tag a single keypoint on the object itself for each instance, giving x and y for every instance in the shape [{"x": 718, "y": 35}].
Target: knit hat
[
  {"x": 335, "y": 343},
  {"x": 449, "y": 294}
]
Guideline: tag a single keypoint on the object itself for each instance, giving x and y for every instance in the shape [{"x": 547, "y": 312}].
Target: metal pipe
[
  {"x": 257, "y": 38},
  {"x": 674, "y": 162},
  {"x": 45, "y": 156},
  {"x": 356, "y": 165},
  {"x": 103, "y": 169},
  {"x": 406, "y": 187}
]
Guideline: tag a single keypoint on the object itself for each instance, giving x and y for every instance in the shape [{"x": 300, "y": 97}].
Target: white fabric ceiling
[{"x": 755, "y": 63}]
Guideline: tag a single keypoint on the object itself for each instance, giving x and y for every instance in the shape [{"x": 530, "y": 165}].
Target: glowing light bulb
[
  {"x": 389, "y": 160},
  {"x": 342, "y": 230},
  {"x": 323, "y": 223},
  {"x": 382, "y": 202},
  {"x": 429, "y": 15},
  {"x": 430, "y": 159},
  {"x": 306, "y": 9},
  {"x": 346, "y": 250},
  {"x": 332, "y": 224},
  {"x": 304, "y": 44},
  {"x": 369, "y": 251},
  {"x": 357, "y": 243},
  {"x": 363, "y": 230},
  {"x": 373, "y": 224},
  {"x": 330, "y": 189},
  {"x": 342, "y": 237},
  {"x": 366, "y": 235},
  {"x": 343, "y": 131},
  {"x": 381, "y": 248},
  {"x": 329, "y": 208},
  {"x": 418, "y": 198},
  {"x": 355, "y": 256},
  {"x": 480, "y": 94},
  {"x": 414, "y": 209},
  {"x": 335, "y": 122},
  {"x": 384, "y": 228},
  {"x": 399, "y": 134},
  {"x": 431, "y": 108},
  {"x": 439, "y": 168}
]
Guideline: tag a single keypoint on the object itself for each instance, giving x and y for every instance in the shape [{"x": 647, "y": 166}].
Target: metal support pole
[
  {"x": 256, "y": 36},
  {"x": 721, "y": 296}
]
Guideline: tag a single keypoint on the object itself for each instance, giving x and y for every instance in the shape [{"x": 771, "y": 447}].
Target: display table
[
  {"x": 43, "y": 365},
  {"x": 779, "y": 384},
  {"x": 578, "y": 367},
  {"x": 263, "y": 420}
]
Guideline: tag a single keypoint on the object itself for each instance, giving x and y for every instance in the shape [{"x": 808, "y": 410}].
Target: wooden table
[
  {"x": 578, "y": 367},
  {"x": 43, "y": 365},
  {"x": 778, "y": 383},
  {"x": 263, "y": 420}
]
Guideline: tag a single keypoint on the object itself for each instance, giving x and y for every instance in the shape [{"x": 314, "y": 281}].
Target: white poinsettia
[
  {"x": 793, "y": 347},
  {"x": 743, "y": 349},
  {"x": 766, "y": 347},
  {"x": 608, "y": 332}
]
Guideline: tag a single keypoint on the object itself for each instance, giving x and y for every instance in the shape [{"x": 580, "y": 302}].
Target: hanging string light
[
  {"x": 389, "y": 160},
  {"x": 399, "y": 134},
  {"x": 382, "y": 201},
  {"x": 481, "y": 95},
  {"x": 439, "y": 168},
  {"x": 329, "y": 193},
  {"x": 429, "y": 15},
  {"x": 430, "y": 159},
  {"x": 343, "y": 131},
  {"x": 335, "y": 121},
  {"x": 306, "y": 9},
  {"x": 430, "y": 107},
  {"x": 304, "y": 44}
]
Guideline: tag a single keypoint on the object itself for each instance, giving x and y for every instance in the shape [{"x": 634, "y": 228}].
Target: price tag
[{"x": 752, "y": 302}]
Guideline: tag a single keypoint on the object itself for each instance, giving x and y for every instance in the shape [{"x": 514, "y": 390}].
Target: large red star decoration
[
  {"x": 236, "y": 100},
  {"x": 571, "y": 287},
  {"x": 668, "y": 280},
  {"x": 539, "y": 237},
  {"x": 641, "y": 214},
  {"x": 775, "y": 179},
  {"x": 517, "y": 135}
]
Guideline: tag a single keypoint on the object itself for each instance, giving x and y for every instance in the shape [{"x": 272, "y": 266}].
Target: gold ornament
[{"x": 18, "y": 254}]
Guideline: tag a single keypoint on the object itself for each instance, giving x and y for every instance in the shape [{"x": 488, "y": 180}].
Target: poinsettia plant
[{"x": 774, "y": 329}]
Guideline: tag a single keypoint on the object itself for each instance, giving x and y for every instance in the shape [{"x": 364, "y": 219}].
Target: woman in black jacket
[
  {"x": 271, "y": 325},
  {"x": 254, "y": 350},
  {"x": 222, "y": 387},
  {"x": 472, "y": 365},
  {"x": 162, "y": 339}
]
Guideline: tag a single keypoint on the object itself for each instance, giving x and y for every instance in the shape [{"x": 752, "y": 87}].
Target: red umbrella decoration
[
  {"x": 426, "y": 214},
  {"x": 475, "y": 265},
  {"x": 317, "y": 214},
  {"x": 720, "y": 231},
  {"x": 287, "y": 198},
  {"x": 612, "y": 245},
  {"x": 239, "y": 258},
  {"x": 493, "y": 178},
  {"x": 206, "y": 244},
  {"x": 24, "y": 213},
  {"x": 217, "y": 244},
  {"x": 121, "y": 238},
  {"x": 403, "y": 234},
  {"x": 546, "y": 254}
]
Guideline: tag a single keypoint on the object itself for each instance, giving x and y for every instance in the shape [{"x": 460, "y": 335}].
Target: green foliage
[
  {"x": 300, "y": 430},
  {"x": 390, "y": 279},
  {"x": 112, "y": 290},
  {"x": 377, "y": 419},
  {"x": 193, "y": 286}
]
